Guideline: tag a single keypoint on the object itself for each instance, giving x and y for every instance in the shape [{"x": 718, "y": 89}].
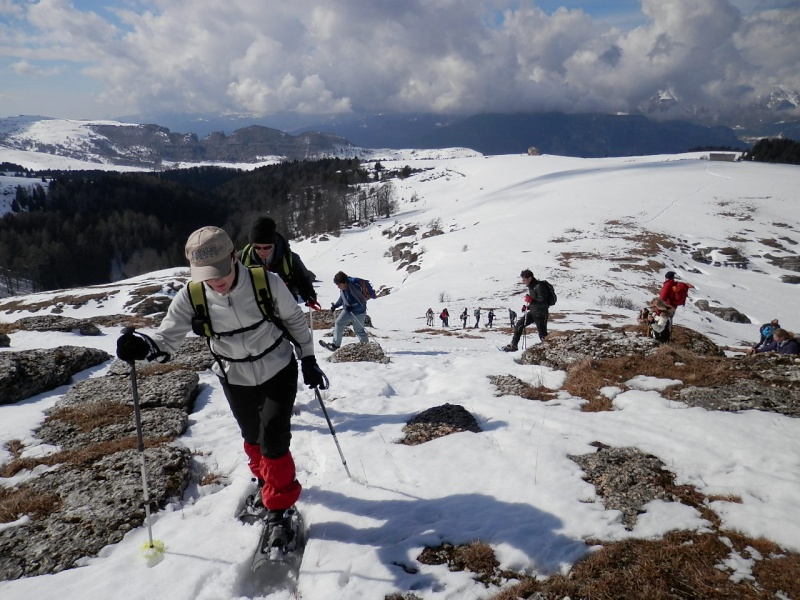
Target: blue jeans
[{"x": 346, "y": 318}]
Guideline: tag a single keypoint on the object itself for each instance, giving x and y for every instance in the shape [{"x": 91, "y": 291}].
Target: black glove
[
  {"x": 313, "y": 376},
  {"x": 131, "y": 347},
  {"x": 333, "y": 308}
]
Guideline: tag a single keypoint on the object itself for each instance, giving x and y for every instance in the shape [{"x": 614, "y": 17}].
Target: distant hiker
[
  {"x": 254, "y": 359},
  {"x": 512, "y": 317},
  {"x": 464, "y": 317},
  {"x": 445, "y": 317},
  {"x": 674, "y": 292},
  {"x": 490, "y": 318},
  {"x": 429, "y": 317},
  {"x": 270, "y": 250},
  {"x": 782, "y": 342},
  {"x": 354, "y": 301},
  {"x": 767, "y": 330},
  {"x": 477, "y": 314},
  {"x": 659, "y": 320},
  {"x": 537, "y": 310}
]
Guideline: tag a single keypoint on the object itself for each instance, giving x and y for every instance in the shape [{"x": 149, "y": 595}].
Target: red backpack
[{"x": 679, "y": 293}]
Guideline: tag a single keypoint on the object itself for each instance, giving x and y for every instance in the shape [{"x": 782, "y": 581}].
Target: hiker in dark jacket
[
  {"x": 355, "y": 310},
  {"x": 538, "y": 310},
  {"x": 464, "y": 317},
  {"x": 490, "y": 318},
  {"x": 269, "y": 249},
  {"x": 512, "y": 317},
  {"x": 477, "y": 314},
  {"x": 767, "y": 330},
  {"x": 782, "y": 343}
]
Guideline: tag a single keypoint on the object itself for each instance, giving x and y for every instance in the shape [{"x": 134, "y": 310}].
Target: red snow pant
[{"x": 263, "y": 413}]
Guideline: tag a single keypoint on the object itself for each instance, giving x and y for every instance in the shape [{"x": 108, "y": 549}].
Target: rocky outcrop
[
  {"x": 369, "y": 352},
  {"x": 726, "y": 314},
  {"x": 57, "y": 323},
  {"x": 437, "y": 422},
  {"x": 565, "y": 348},
  {"x": 88, "y": 493},
  {"x": 30, "y": 372}
]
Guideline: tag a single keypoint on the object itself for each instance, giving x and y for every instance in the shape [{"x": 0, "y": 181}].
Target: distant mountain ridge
[
  {"x": 153, "y": 146},
  {"x": 150, "y": 146}
]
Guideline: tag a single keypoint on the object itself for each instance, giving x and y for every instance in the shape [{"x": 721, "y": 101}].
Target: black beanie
[
  {"x": 262, "y": 231},
  {"x": 669, "y": 275}
]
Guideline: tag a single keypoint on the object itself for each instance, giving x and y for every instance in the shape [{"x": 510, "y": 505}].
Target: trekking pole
[
  {"x": 333, "y": 431},
  {"x": 154, "y": 548},
  {"x": 363, "y": 325}
]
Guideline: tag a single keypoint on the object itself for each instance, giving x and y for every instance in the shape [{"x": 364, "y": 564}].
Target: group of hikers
[
  {"x": 246, "y": 306},
  {"x": 660, "y": 311},
  {"x": 444, "y": 317},
  {"x": 536, "y": 310}
]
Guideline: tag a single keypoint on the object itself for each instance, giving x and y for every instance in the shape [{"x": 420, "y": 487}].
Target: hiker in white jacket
[{"x": 254, "y": 358}]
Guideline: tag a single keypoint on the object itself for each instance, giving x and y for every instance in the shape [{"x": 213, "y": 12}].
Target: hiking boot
[
  {"x": 510, "y": 348},
  {"x": 281, "y": 533},
  {"x": 253, "y": 509}
]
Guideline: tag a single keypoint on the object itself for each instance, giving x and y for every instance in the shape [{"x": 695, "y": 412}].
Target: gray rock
[
  {"x": 437, "y": 422},
  {"x": 29, "y": 372},
  {"x": 58, "y": 323},
  {"x": 369, "y": 352},
  {"x": 726, "y": 314},
  {"x": 5, "y": 341}
]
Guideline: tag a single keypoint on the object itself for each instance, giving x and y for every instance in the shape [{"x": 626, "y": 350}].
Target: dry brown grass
[
  {"x": 88, "y": 416},
  {"x": 683, "y": 565},
  {"x": 71, "y": 300},
  {"x": 17, "y": 502},
  {"x": 585, "y": 378},
  {"x": 83, "y": 456},
  {"x": 15, "y": 447},
  {"x": 476, "y": 557}
]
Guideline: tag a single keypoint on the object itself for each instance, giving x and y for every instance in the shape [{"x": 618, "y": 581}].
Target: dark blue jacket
[{"x": 352, "y": 299}]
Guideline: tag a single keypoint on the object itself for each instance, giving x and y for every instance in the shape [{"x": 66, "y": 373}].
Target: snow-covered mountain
[
  {"x": 603, "y": 231},
  {"x": 127, "y": 145}
]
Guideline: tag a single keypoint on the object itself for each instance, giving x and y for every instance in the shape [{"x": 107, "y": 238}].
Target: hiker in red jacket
[{"x": 674, "y": 292}]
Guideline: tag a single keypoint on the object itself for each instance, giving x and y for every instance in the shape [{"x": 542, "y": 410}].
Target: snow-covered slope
[{"x": 597, "y": 229}]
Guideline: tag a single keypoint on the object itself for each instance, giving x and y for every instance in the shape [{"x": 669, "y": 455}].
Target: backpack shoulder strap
[
  {"x": 262, "y": 292},
  {"x": 202, "y": 321}
]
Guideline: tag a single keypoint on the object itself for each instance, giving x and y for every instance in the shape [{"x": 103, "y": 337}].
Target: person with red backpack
[{"x": 674, "y": 292}]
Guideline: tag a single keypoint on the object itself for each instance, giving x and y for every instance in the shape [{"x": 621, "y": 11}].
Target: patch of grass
[
  {"x": 83, "y": 456},
  {"x": 669, "y": 361},
  {"x": 71, "y": 300},
  {"x": 89, "y": 416},
  {"x": 15, "y": 447},
  {"x": 617, "y": 301},
  {"x": 17, "y": 502},
  {"x": 682, "y": 565},
  {"x": 476, "y": 557}
]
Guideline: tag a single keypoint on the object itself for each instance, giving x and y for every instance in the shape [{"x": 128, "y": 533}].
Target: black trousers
[
  {"x": 539, "y": 319},
  {"x": 264, "y": 411}
]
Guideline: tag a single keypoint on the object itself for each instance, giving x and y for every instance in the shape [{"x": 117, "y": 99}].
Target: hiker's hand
[
  {"x": 313, "y": 376},
  {"x": 333, "y": 308},
  {"x": 313, "y": 305},
  {"x": 132, "y": 347}
]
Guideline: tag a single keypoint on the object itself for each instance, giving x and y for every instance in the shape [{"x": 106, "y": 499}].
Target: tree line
[
  {"x": 91, "y": 227},
  {"x": 774, "y": 150}
]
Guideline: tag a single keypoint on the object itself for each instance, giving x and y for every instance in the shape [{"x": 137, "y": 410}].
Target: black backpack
[{"x": 549, "y": 292}]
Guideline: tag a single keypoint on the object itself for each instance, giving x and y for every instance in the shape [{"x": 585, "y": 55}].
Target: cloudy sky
[{"x": 107, "y": 58}]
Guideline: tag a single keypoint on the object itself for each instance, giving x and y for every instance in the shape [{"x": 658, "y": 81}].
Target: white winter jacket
[{"x": 236, "y": 310}]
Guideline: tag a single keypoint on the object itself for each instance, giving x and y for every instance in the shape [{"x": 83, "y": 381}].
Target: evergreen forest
[{"x": 75, "y": 228}]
